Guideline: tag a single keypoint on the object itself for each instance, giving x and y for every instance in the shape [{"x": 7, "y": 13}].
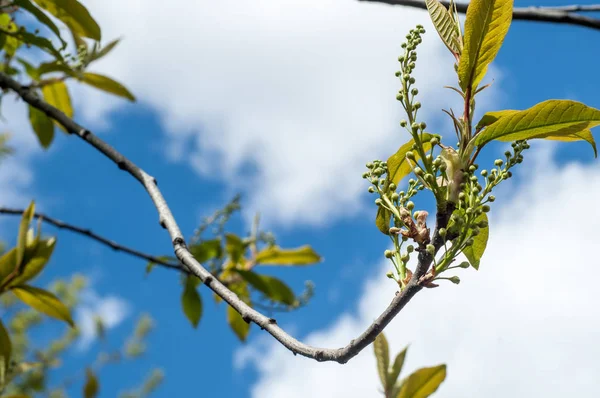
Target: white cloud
[
  {"x": 111, "y": 309},
  {"x": 523, "y": 326},
  {"x": 16, "y": 175},
  {"x": 286, "y": 100}
]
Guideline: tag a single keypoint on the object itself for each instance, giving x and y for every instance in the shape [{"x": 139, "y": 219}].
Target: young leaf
[
  {"x": 234, "y": 246},
  {"x": 382, "y": 354},
  {"x": 43, "y": 301},
  {"x": 10, "y": 35},
  {"x": 5, "y": 347},
  {"x": 558, "y": 119},
  {"x": 271, "y": 287},
  {"x": 107, "y": 84},
  {"x": 486, "y": 25},
  {"x": 54, "y": 66},
  {"x": 23, "y": 227},
  {"x": 29, "y": 69},
  {"x": 73, "y": 14},
  {"x": 382, "y": 220},
  {"x": 423, "y": 382},
  {"x": 191, "y": 301},
  {"x": 103, "y": 51},
  {"x": 237, "y": 324},
  {"x": 275, "y": 255},
  {"x": 57, "y": 95},
  {"x": 41, "y": 17},
  {"x": 398, "y": 166},
  {"x": 35, "y": 262},
  {"x": 91, "y": 387},
  {"x": 206, "y": 250},
  {"x": 8, "y": 263},
  {"x": 396, "y": 368},
  {"x": 475, "y": 252},
  {"x": 444, "y": 24},
  {"x": 42, "y": 126}
]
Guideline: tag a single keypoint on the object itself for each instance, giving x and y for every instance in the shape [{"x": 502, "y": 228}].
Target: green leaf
[
  {"x": 275, "y": 255},
  {"x": 23, "y": 227},
  {"x": 234, "y": 246},
  {"x": 42, "y": 125},
  {"x": 91, "y": 387},
  {"x": 43, "y": 301},
  {"x": 444, "y": 24},
  {"x": 107, "y": 84},
  {"x": 486, "y": 25},
  {"x": 423, "y": 382},
  {"x": 382, "y": 354},
  {"x": 562, "y": 120},
  {"x": 22, "y": 36},
  {"x": 237, "y": 324},
  {"x": 398, "y": 166},
  {"x": 41, "y": 17},
  {"x": 55, "y": 66},
  {"x": 396, "y": 368},
  {"x": 73, "y": 14},
  {"x": 206, "y": 250},
  {"x": 191, "y": 302},
  {"x": 103, "y": 51},
  {"x": 382, "y": 220},
  {"x": 57, "y": 95},
  {"x": 475, "y": 252},
  {"x": 271, "y": 287},
  {"x": 35, "y": 261},
  {"x": 9, "y": 35},
  {"x": 8, "y": 264},
  {"x": 5, "y": 347}
]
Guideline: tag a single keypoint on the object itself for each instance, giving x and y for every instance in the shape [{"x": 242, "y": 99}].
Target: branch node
[
  {"x": 273, "y": 321},
  {"x": 121, "y": 164},
  {"x": 246, "y": 318}
]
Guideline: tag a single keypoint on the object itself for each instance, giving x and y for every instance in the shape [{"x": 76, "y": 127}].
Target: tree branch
[
  {"x": 107, "y": 242},
  {"x": 167, "y": 221},
  {"x": 561, "y": 15}
]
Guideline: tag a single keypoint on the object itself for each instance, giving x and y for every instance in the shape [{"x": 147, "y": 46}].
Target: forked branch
[{"x": 249, "y": 314}]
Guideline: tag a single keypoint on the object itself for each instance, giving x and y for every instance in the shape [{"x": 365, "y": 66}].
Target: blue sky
[{"x": 285, "y": 102}]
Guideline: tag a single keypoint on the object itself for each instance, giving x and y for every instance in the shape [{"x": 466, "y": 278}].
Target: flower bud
[
  {"x": 378, "y": 202},
  {"x": 371, "y": 189},
  {"x": 434, "y": 141},
  {"x": 485, "y": 208},
  {"x": 442, "y": 232},
  {"x": 492, "y": 198},
  {"x": 395, "y": 196},
  {"x": 410, "y": 248},
  {"x": 410, "y": 155},
  {"x": 464, "y": 264},
  {"x": 390, "y": 275},
  {"x": 403, "y": 123},
  {"x": 388, "y": 254},
  {"x": 410, "y": 205},
  {"x": 431, "y": 249},
  {"x": 498, "y": 162},
  {"x": 454, "y": 279}
]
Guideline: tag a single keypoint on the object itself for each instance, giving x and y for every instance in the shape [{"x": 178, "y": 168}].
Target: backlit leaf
[
  {"x": 382, "y": 220},
  {"x": 237, "y": 324},
  {"x": 191, "y": 301},
  {"x": 444, "y": 24},
  {"x": 475, "y": 252},
  {"x": 234, "y": 246},
  {"x": 73, "y": 14},
  {"x": 423, "y": 382},
  {"x": 43, "y": 301},
  {"x": 57, "y": 95},
  {"x": 275, "y": 255},
  {"x": 553, "y": 119},
  {"x": 382, "y": 354},
  {"x": 35, "y": 261},
  {"x": 41, "y": 17},
  {"x": 271, "y": 287},
  {"x": 5, "y": 346},
  {"x": 398, "y": 166},
  {"x": 396, "y": 368},
  {"x": 42, "y": 125},
  {"x": 8, "y": 264},
  {"x": 206, "y": 250},
  {"x": 103, "y": 51},
  {"x": 23, "y": 227},
  {"x": 91, "y": 387},
  {"x": 486, "y": 25},
  {"x": 107, "y": 84}
]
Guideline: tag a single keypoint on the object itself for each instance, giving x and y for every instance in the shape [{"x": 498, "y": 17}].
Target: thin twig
[
  {"x": 86, "y": 232},
  {"x": 560, "y": 15},
  {"x": 249, "y": 314}
]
